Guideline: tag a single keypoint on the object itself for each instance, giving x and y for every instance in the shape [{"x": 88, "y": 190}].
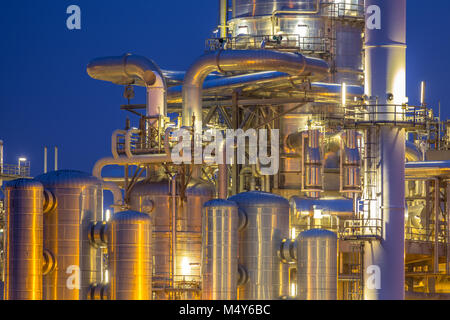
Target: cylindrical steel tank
[
  {"x": 259, "y": 243},
  {"x": 154, "y": 197},
  {"x": 317, "y": 265},
  {"x": 23, "y": 243},
  {"x": 130, "y": 256},
  {"x": 220, "y": 250},
  {"x": 79, "y": 203}
]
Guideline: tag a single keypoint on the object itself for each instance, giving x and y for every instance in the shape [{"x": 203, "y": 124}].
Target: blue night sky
[{"x": 47, "y": 98}]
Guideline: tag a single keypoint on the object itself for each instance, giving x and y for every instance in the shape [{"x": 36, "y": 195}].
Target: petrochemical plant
[{"x": 356, "y": 208}]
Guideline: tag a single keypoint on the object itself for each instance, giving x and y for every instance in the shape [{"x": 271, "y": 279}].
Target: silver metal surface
[
  {"x": 154, "y": 197},
  {"x": 259, "y": 243},
  {"x": 79, "y": 203},
  {"x": 317, "y": 265},
  {"x": 24, "y": 240},
  {"x": 385, "y": 81},
  {"x": 130, "y": 256},
  {"x": 350, "y": 164},
  {"x": 134, "y": 70},
  {"x": 220, "y": 250},
  {"x": 312, "y": 163}
]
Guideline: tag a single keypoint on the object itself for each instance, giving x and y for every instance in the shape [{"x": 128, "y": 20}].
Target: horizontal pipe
[
  {"x": 241, "y": 61},
  {"x": 135, "y": 160}
]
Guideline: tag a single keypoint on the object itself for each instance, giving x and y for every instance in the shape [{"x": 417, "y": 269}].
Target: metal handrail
[
  {"x": 22, "y": 170},
  {"x": 292, "y": 42}
]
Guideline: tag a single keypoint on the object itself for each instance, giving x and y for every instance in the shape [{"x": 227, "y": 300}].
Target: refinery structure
[{"x": 356, "y": 208}]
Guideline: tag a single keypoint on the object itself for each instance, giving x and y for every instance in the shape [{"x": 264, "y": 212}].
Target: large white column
[{"x": 385, "y": 86}]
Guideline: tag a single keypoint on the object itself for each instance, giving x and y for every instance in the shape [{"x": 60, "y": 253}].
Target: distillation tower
[{"x": 357, "y": 207}]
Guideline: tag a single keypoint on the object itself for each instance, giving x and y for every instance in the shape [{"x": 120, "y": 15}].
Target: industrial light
[
  {"x": 22, "y": 159},
  {"x": 344, "y": 94},
  {"x": 107, "y": 215},
  {"x": 185, "y": 266}
]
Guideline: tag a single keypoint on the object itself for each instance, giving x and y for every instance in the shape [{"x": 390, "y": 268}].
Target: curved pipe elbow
[
  {"x": 115, "y": 190},
  {"x": 126, "y": 70},
  {"x": 114, "y": 142},
  {"x": 128, "y": 137},
  {"x": 294, "y": 64}
]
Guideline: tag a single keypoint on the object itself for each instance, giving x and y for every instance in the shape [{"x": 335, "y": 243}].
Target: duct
[
  {"x": 427, "y": 169},
  {"x": 134, "y": 70},
  {"x": 241, "y": 60}
]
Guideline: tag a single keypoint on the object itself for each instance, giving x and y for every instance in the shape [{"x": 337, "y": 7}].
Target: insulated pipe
[
  {"x": 223, "y": 174},
  {"x": 294, "y": 64},
  {"x": 115, "y": 190},
  {"x": 137, "y": 70},
  {"x": 385, "y": 83},
  {"x": 114, "y": 142},
  {"x": 135, "y": 160},
  {"x": 128, "y": 137}
]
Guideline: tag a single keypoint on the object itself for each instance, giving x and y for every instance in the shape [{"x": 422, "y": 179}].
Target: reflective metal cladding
[
  {"x": 317, "y": 265},
  {"x": 130, "y": 256},
  {"x": 259, "y": 242},
  {"x": 24, "y": 239},
  {"x": 79, "y": 203},
  {"x": 220, "y": 250}
]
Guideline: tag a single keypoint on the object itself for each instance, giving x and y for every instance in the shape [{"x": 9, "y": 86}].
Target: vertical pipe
[
  {"x": 223, "y": 12},
  {"x": 130, "y": 256},
  {"x": 1, "y": 162},
  {"x": 437, "y": 203},
  {"x": 24, "y": 240},
  {"x": 173, "y": 192},
  {"x": 45, "y": 159},
  {"x": 223, "y": 174},
  {"x": 385, "y": 83},
  {"x": 56, "y": 158}
]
